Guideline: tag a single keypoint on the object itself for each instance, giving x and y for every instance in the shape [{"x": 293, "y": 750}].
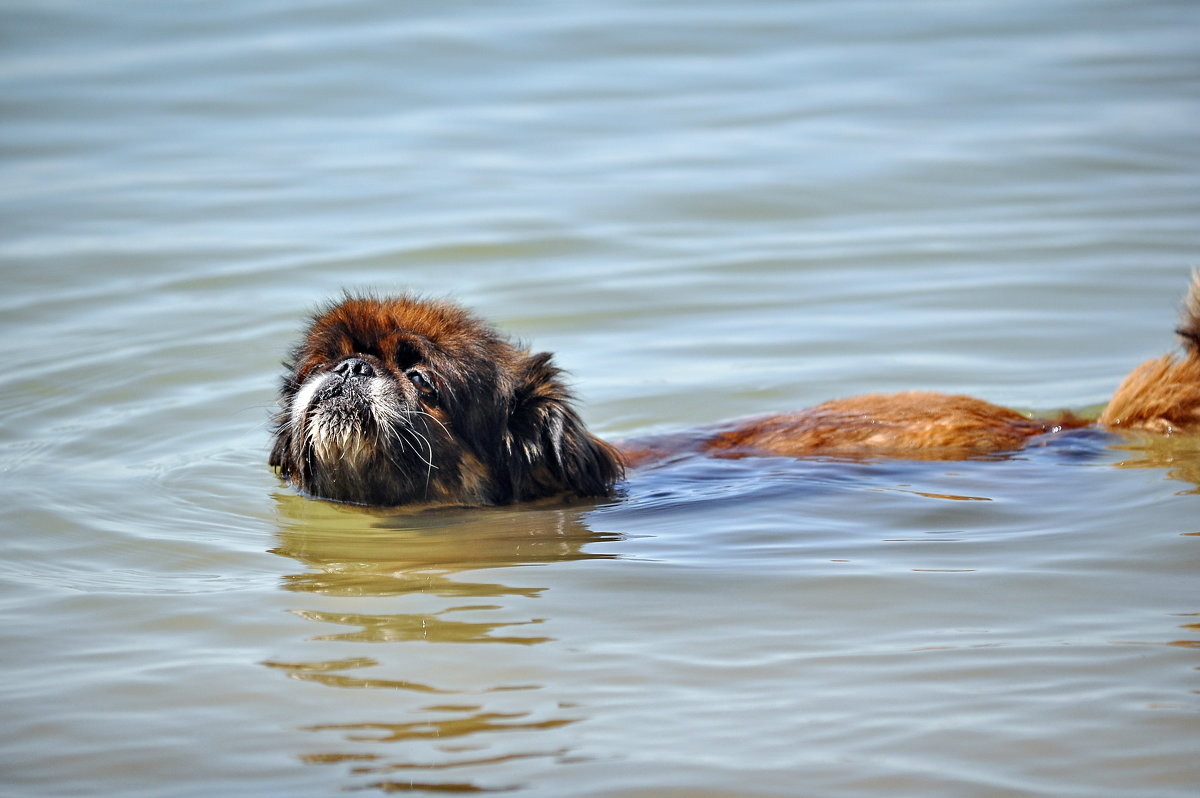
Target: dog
[{"x": 403, "y": 400}]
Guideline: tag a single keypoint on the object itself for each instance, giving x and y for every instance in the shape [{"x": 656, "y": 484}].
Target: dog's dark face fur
[{"x": 401, "y": 400}]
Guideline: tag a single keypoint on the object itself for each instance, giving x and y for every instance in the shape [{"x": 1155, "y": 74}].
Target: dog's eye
[{"x": 424, "y": 385}]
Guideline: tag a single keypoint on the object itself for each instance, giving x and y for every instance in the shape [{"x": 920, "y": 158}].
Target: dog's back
[{"x": 1160, "y": 396}]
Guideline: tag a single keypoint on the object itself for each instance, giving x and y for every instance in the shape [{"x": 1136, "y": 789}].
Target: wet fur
[
  {"x": 1163, "y": 395},
  {"x": 401, "y": 400},
  {"x": 497, "y": 427}
]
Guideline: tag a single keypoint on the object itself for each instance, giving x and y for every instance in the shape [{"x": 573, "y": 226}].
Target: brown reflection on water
[
  {"x": 402, "y": 627},
  {"x": 353, "y": 551},
  {"x": 445, "y": 729},
  {"x": 411, "y": 584},
  {"x": 1178, "y": 454},
  {"x": 328, "y": 673}
]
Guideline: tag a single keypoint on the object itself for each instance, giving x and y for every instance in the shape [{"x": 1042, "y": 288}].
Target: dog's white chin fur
[{"x": 336, "y": 437}]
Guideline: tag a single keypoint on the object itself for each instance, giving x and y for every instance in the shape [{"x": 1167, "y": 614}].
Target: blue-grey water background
[{"x": 707, "y": 209}]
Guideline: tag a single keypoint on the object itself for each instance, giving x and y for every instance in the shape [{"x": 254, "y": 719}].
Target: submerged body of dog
[{"x": 391, "y": 401}]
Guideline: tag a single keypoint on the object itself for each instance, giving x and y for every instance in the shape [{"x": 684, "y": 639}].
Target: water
[{"x": 707, "y": 210}]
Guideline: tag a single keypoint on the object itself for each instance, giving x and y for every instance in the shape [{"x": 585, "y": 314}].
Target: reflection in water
[
  {"x": 355, "y": 551},
  {"x": 399, "y": 628},
  {"x": 1179, "y": 454},
  {"x": 446, "y": 729},
  {"x": 327, "y": 673},
  {"x": 438, "y": 716}
]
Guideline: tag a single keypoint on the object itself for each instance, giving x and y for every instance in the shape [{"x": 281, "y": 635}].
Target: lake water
[{"x": 707, "y": 210}]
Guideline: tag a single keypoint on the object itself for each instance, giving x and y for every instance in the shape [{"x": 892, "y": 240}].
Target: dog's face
[{"x": 401, "y": 400}]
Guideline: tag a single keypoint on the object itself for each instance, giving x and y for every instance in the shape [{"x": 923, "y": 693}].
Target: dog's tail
[
  {"x": 1190, "y": 330},
  {"x": 1163, "y": 395}
]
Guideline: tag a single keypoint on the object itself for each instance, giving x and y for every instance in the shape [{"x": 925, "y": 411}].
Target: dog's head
[{"x": 404, "y": 400}]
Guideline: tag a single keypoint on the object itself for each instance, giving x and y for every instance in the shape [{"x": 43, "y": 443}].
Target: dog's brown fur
[
  {"x": 1163, "y": 395},
  {"x": 403, "y": 400}
]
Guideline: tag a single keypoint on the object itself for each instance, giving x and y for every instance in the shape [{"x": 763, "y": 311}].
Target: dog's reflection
[{"x": 431, "y": 625}]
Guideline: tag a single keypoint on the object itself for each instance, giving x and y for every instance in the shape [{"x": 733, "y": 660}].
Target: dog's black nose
[{"x": 354, "y": 367}]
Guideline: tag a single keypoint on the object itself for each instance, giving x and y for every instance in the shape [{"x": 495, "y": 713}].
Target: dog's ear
[
  {"x": 281, "y": 453},
  {"x": 547, "y": 448}
]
